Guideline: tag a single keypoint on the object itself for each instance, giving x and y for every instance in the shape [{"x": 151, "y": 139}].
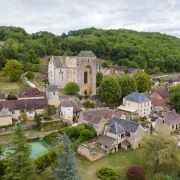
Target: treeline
[{"x": 153, "y": 52}]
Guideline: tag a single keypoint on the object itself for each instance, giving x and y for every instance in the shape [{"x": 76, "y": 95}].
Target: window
[
  {"x": 129, "y": 103},
  {"x": 172, "y": 127},
  {"x": 163, "y": 122},
  {"x": 54, "y": 93},
  {"x": 128, "y": 134},
  {"x": 122, "y": 136},
  {"x": 85, "y": 77}
]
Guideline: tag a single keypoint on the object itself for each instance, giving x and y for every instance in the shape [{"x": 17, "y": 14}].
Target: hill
[{"x": 153, "y": 52}]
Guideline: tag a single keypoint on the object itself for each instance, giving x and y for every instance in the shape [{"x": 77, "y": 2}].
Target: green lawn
[
  {"x": 7, "y": 86},
  {"x": 119, "y": 161}
]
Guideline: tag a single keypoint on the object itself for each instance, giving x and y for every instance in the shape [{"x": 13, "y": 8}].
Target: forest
[{"x": 153, "y": 52}]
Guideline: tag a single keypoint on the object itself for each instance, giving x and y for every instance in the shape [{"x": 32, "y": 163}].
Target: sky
[{"x": 58, "y": 16}]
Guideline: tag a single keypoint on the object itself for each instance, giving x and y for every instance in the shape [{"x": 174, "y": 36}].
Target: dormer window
[{"x": 122, "y": 136}]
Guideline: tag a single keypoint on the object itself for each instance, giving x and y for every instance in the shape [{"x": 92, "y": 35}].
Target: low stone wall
[
  {"x": 9, "y": 129},
  {"x": 51, "y": 125},
  {"x": 91, "y": 154}
]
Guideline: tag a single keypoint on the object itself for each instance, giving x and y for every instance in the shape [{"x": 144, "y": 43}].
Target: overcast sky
[{"x": 59, "y": 16}]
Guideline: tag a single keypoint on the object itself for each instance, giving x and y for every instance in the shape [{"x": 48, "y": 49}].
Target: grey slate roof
[
  {"x": 129, "y": 126},
  {"x": 31, "y": 92},
  {"x": 5, "y": 112},
  {"x": 106, "y": 140},
  {"x": 52, "y": 88},
  {"x": 77, "y": 106},
  {"x": 86, "y": 54},
  {"x": 137, "y": 97},
  {"x": 115, "y": 128},
  {"x": 171, "y": 117}
]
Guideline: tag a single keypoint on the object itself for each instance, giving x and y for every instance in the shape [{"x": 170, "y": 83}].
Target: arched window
[
  {"x": 85, "y": 92},
  {"x": 85, "y": 77}
]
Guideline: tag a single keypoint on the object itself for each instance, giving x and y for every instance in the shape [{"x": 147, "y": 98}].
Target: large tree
[
  {"x": 143, "y": 82},
  {"x": 13, "y": 69},
  {"x": 160, "y": 151},
  {"x": 18, "y": 163},
  {"x": 99, "y": 77},
  {"x": 66, "y": 168},
  {"x": 109, "y": 90},
  {"x": 128, "y": 85},
  {"x": 175, "y": 97}
]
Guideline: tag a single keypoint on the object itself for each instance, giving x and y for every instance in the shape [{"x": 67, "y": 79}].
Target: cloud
[{"x": 59, "y": 16}]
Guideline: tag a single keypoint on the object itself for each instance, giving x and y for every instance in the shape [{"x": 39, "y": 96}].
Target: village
[{"x": 104, "y": 127}]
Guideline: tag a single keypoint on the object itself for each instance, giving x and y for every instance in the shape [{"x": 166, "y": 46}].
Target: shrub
[
  {"x": 80, "y": 97},
  {"x": 86, "y": 97},
  {"x": 107, "y": 174},
  {"x": 23, "y": 117},
  {"x": 135, "y": 173},
  {"x": 11, "y": 96},
  {"x": 89, "y": 104},
  {"x": 50, "y": 137},
  {"x": 44, "y": 161},
  {"x": 71, "y": 88},
  {"x": 161, "y": 176},
  {"x": 30, "y": 75},
  {"x": 50, "y": 110},
  {"x": 105, "y": 64}
]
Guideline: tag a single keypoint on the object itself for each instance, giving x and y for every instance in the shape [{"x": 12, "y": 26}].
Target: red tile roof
[
  {"x": 158, "y": 102},
  {"x": 164, "y": 93}
]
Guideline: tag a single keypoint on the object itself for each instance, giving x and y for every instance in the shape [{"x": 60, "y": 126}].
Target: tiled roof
[
  {"x": 86, "y": 54},
  {"x": 164, "y": 93},
  {"x": 76, "y": 104},
  {"x": 130, "y": 126},
  {"x": 106, "y": 140},
  {"x": 5, "y": 112},
  {"x": 63, "y": 61},
  {"x": 158, "y": 102},
  {"x": 31, "y": 92},
  {"x": 2, "y": 96},
  {"x": 115, "y": 128},
  {"x": 171, "y": 117},
  {"x": 25, "y": 104},
  {"x": 137, "y": 97}
]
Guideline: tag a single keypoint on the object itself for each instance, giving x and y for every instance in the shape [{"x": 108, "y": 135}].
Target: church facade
[{"x": 80, "y": 69}]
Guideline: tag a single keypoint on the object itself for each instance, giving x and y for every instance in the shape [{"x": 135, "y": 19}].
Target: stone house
[
  {"x": 160, "y": 94},
  {"x": 175, "y": 81},
  {"x": 98, "y": 118},
  {"x": 69, "y": 110},
  {"x": 158, "y": 104},
  {"x": 137, "y": 102},
  {"x": 28, "y": 106},
  {"x": 168, "y": 121},
  {"x": 5, "y": 117},
  {"x": 52, "y": 94},
  {"x": 31, "y": 93},
  {"x": 120, "y": 133}
]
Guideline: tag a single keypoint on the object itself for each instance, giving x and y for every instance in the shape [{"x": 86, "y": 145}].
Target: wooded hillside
[{"x": 151, "y": 51}]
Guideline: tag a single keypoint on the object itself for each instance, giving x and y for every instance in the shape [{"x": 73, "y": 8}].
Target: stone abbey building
[{"x": 80, "y": 69}]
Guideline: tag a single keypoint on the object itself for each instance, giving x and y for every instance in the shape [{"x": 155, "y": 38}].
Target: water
[{"x": 37, "y": 149}]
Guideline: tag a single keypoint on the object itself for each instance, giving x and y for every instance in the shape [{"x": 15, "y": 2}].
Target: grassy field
[
  {"x": 7, "y": 86},
  {"x": 119, "y": 161}
]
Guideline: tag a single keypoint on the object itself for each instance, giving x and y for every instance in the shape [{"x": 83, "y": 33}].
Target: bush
[
  {"x": 89, "y": 104},
  {"x": 11, "y": 96},
  {"x": 80, "y": 97},
  {"x": 161, "y": 176},
  {"x": 50, "y": 137},
  {"x": 86, "y": 97},
  {"x": 107, "y": 174},
  {"x": 135, "y": 173},
  {"x": 44, "y": 161},
  {"x": 30, "y": 75},
  {"x": 50, "y": 110},
  {"x": 71, "y": 88}
]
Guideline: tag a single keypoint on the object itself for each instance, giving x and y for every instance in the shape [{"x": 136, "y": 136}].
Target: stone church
[{"x": 80, "y": 69}]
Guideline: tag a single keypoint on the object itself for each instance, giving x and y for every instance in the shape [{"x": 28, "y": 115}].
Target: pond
[{"x": 37, "y": 148}]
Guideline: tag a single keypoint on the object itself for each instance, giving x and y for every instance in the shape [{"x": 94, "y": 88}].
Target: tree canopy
[
  {"x": 151, "y": 51},
  {"x": 71, "y": 88},
  {"x": 109, "y": 90},
  {"x": 175, "y": 97}
]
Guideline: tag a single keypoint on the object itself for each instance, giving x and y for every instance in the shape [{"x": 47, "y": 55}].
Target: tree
[
  {"x": 143, "y": 82},
  {"x": 50, "y": 110},
  {"x": 30, "y": 75},
  {"x": 99, "y": 77},
  {"x": 18, "y": 164},
  {"x": 66, "y": 167},
  {"x": 175, "y": 97},
  {"x": 109, "y": 90},
  {"x": 11, "y": 96},
  {"x": 71, "y": 88},
  {"x": 128, "y": 85},
  {"x": 135, "y": 173},
  {"x": 160, "y": 151},
  {"x": 13, "y": 69}
]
